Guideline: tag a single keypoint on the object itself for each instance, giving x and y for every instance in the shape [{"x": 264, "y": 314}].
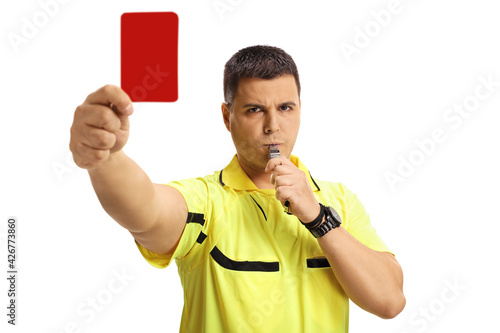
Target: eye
[
  {"x": 253, "y": 110},
  {"x": 285, "y": 108}
]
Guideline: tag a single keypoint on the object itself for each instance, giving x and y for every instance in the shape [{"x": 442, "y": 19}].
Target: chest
[{"x": 256, "y": 228}]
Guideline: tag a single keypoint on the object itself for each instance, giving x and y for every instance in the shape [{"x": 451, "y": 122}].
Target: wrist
[
  {"x": 316, "y": 219},
  {"x": 111, "y": 165},
  {"x": 327, "y": 220}
]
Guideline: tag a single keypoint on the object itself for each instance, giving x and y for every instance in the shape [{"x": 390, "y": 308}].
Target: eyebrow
[{"x": 263, "y": 106}]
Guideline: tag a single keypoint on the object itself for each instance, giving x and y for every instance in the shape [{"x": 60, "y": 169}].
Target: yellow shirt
[{"x": 247, "y": 266}]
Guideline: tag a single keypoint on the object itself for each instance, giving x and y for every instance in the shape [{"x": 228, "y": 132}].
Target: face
[{"x": 264, "y": 112}]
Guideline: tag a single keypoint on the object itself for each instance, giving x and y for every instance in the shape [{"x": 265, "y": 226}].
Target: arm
[
  {"x": 373, "y": 280},
  {"x": 154, "y": 214}
]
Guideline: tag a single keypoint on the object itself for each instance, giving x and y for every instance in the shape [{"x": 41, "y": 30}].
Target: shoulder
[
  {"x": 202, "y": 194},
  {"x": 334, "y": 191},
  {"x": 209, "y": 183},
  {"x": 339, "y": 197}
]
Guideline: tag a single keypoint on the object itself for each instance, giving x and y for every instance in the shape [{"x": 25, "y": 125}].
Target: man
[{"x": 261, "y": 246}]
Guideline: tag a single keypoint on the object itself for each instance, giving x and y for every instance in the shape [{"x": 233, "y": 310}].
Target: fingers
[
  {"x": 289, "y": 182},
  {"x": 285, "y": 175},
  {"x": 112, "y": 95},
  {"x": 273, "y": 162},
  {"x": 98, "y": 138},
  {"x": 87, "y": 157},
  {"x": 286, "y": 185},
  {"x": 96, "y": 125},
  {"x": 292, "y": 186},
  {"x": 99, "y": 116},
  {"x": 285, "y": 180},
  {"x": 283, "y": 193}
]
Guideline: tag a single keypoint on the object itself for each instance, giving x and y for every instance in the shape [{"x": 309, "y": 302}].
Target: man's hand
[
  {"x": 292, "y": 184},
  {"x": 100, "y": 126}
]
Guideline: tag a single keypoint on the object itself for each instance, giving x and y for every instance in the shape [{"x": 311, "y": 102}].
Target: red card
[{"x": 149, "y": 56}]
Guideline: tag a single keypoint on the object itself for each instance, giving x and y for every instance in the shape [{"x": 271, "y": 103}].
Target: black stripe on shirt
[
  {"x": 247, "y": 266},
  {"x": 196, "y": 218},
  {"x": 201, "y": 237},
  {"x": 265, "y": 217},
  {"x": 317, "y": 263},
  {"x": 313, "y": 180},
  {"x": 220, "y": 178}
]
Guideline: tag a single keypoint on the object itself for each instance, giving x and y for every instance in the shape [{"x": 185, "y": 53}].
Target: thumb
[
  {"x": 124, "y": 123},
  {"x": 123, "y": 115},
  {"x": 123, "y": 110},
  {"x": 272, "y": 163}
]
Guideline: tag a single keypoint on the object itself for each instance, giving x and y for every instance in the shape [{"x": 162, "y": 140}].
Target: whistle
[{"x": 274, "y": 151}]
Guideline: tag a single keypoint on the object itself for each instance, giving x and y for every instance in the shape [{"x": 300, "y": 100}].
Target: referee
[{"x": 261, "y": 245}]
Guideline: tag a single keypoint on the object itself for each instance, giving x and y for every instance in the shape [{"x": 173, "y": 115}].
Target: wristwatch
[{"x": 332, "y": 221}]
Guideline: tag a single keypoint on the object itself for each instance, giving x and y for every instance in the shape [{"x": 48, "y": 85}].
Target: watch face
[{"x": 334, "y": 214}]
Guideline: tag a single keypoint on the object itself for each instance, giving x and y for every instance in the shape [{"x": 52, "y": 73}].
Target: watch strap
[
  {"x": 332, "y": 221},
  {"x": 317, "y": 221}
]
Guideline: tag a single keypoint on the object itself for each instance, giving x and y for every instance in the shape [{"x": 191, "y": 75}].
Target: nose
[{"x": 271, "y": 124}]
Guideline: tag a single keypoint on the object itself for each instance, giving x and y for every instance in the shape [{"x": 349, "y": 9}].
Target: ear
[{"x": 226, "y": 114}]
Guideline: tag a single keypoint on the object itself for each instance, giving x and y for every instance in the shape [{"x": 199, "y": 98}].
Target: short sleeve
[
  {"x": 359, "y": 225},
  {"x": 155, "y": 259},
  {"x": 200, "y": 211}
]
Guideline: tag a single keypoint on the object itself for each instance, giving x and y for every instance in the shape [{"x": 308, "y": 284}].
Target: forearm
[
  {"x": 125, "y": 191},
  {"x": 372, "y": 280}
]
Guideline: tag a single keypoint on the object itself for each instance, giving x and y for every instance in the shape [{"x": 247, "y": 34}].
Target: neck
[{"x": 261, "y": 179}]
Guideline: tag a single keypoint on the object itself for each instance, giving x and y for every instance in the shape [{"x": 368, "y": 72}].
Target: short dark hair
[{"x": 259, "y": 61}]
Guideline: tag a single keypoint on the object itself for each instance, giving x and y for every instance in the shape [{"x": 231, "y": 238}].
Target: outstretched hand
[{"x": 100, "y": 126}]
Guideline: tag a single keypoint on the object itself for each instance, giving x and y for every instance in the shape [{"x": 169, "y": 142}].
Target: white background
[{"x": 361, "y": 114}]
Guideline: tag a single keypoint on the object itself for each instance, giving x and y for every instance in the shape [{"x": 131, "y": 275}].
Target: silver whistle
[{"x": 274, "y": 151}]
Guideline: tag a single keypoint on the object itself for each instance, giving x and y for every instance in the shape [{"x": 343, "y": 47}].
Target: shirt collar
[{"x": 235, "y": 177}]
